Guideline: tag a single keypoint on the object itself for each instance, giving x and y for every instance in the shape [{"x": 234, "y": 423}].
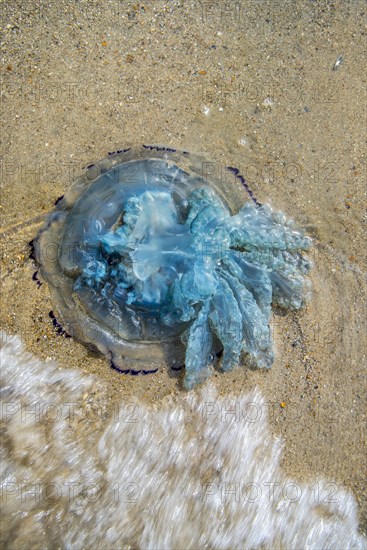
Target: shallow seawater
[
  {"x": 183, "y": 474},
  {"x": 260, "y": 458}
]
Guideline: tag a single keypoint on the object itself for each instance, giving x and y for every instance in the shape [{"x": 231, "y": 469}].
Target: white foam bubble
[{"x": 196, "y": 471}]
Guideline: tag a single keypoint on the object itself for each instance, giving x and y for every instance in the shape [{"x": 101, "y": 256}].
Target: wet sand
[{"x": 246, "y": 84}]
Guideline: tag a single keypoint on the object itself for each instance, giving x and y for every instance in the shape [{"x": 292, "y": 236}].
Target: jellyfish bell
[{"x": 149, "y": 260}]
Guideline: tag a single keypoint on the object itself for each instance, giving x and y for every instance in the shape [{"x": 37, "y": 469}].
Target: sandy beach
[{"x": 274, "y": 88}]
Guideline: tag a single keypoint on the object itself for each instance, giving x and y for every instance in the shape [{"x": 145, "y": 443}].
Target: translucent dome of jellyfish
[{"x": 149, "y": 260}]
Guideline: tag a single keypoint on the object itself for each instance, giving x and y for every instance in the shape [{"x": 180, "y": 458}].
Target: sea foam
[{"x": 195, "y": 471}]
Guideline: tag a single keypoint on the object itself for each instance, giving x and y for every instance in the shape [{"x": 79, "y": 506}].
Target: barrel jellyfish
[{"x": 150, "y": 257}]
